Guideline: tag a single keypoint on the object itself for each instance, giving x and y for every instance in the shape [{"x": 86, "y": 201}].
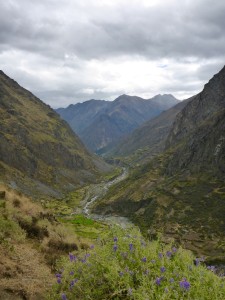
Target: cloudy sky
[{"x": 67, "y": 51}]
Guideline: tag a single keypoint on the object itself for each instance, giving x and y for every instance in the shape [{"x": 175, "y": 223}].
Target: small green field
[{"x": 83, "y": 226}]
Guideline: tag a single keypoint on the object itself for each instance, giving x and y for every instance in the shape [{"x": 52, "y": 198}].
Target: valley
[{"x": 162, "y": 181}]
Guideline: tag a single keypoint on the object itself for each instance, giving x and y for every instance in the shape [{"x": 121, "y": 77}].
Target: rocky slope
[
  {"x": 181, "y": 192},
  {"x": 198, "y": 133},
  {"x": 101, "y": 123},
  {"x": 38, "y": 150}
]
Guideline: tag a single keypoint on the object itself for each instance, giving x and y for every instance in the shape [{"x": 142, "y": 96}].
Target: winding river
[{"x": 96, "y": 192}]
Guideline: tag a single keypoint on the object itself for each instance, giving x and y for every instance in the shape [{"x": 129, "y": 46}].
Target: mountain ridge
[
  {"x": 147, "y": 140},
  {"x": 121, "y": 116}
]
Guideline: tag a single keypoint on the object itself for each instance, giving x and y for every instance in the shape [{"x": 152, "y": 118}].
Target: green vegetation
[
  {"x": 81, "y": 220},
  {"x": 84, "y": 227},
  {"x": 52, "y": 160},
  {"x": 122, "y": 265},
  {"x": 116, "y": 172},
  {"x": 188, "y": 208}
]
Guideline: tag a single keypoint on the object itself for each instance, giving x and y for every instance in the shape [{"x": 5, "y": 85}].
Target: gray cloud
[{"x": 58, "y": 49}]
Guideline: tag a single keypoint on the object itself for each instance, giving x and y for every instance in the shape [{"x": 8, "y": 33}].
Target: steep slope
[
  {"x": 198, "y": 132},
  {"x": 38, "y": 150},
  {"x": 101, "y": 123},
  {"x": 181, "y": 192},
  {"x": 149, "y": 139}
]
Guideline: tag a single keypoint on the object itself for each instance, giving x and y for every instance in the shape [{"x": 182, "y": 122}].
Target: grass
[
  {"x": 123, "y": 265},
  {"x": 84, "y": 227}
]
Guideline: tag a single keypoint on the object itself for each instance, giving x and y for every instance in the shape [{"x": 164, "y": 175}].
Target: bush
[
  {"x": 61, "y": 245},
  {"x": 10, "y": 229},
  {"x": 32, "y": 229},
  {"x": 124, "y": 266}
]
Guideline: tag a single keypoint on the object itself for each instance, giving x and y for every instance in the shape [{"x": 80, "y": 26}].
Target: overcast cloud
[{"x": 67, "y": 51}]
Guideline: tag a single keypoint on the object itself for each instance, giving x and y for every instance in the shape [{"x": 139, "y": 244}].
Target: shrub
[
  {"x": 32, "y": 229},
  {"x": 62, "y": 245},
  {"x": 124, "y": 266},
  {"x": 16, "y": 203},
  {"x": 10, "y": 229}
]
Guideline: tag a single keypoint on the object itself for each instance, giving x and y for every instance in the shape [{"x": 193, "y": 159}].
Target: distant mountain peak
[{"x": 102, "y": 122}]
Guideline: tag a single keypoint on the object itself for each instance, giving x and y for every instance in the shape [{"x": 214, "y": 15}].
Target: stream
[{"x": 98, "y": 191}]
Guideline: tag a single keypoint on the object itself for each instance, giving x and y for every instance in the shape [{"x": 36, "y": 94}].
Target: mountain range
[
  {"x": 38, "y": 150},
  {"x": 100, "y": 124},
  {"x": 147, "y": 140}
]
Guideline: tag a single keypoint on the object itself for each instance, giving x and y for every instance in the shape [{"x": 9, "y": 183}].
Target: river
[{"x": 98, "y": 191}]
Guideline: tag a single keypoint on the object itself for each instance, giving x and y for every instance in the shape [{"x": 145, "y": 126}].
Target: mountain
[
  {"x": 198, "y": 132},
  {"x": 81, "y": 115},
  {"x": 149, "y": 139},
  {"x": 181, "y": 191},
  {"x": 38, "y": 150},
  {"x": 101, "y": 123}
]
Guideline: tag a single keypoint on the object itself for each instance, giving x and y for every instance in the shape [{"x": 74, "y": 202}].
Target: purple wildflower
[
  {"x": 72, "y": 257},
  {"x": 160, "y": 255},
  {"x": 72, "y": 283},
  {"x": 146, "y": 272},
  {"x": 131, "y": 247},
  {"x": 158, "y": 280},
  {"x": 184, "y": 284},
  {"x": 174, "y": 249},
  {"x": 92, "y": 247},
  {"x": 121, "y": 274},
  {"x": 83, "y": 260},
  {"x": 163, "y": 269},
  {"x": 59, "y": 280},
  {"x": 171, "y": 280},
  {"x": 64, "y": 297},
  {"x": 115, "y": 239},
  {"x": 71, "y": 273},
  {"x": 211, "y": 268},
  {"x": 58, "y": 275},
  {"x": 168, "y": 254},
  {"x": 115, "y": 247},
  {"x": 144, "y": 259},
  {"x": 197, "y": 261}
]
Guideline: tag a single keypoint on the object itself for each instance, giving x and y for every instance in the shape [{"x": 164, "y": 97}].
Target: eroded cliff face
[
  {"x": 197, "y": 136},
  {"x": 35, "y": 143}
]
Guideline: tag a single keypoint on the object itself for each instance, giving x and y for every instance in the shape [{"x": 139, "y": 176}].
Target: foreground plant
[{"x": 123, "y": 265}]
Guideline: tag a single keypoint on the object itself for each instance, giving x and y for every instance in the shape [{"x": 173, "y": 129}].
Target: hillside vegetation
[
  {"x": 123, "y": 265},
  {"x": 39, "y": 153}
]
